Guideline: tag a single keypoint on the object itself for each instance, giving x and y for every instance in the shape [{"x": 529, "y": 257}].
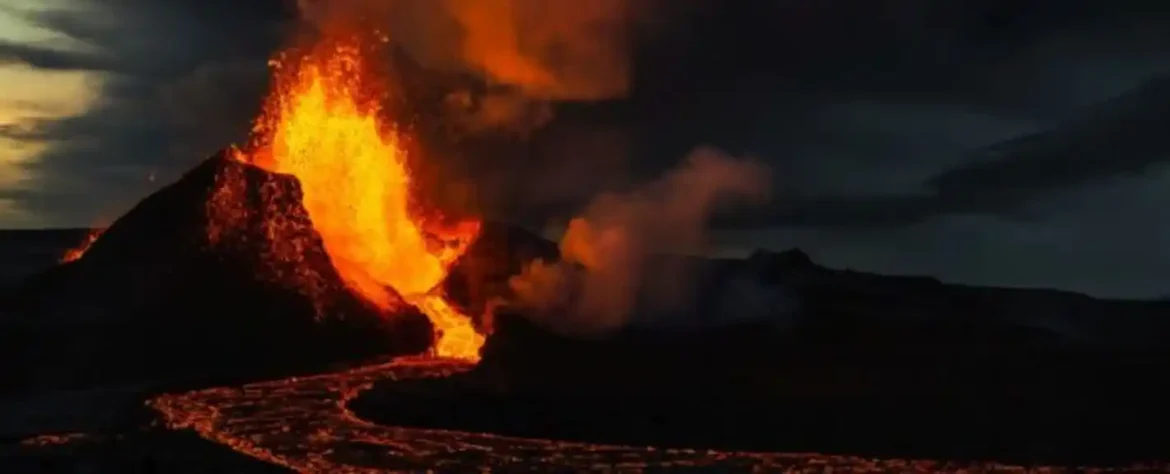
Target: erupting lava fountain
[{"x": 321, "y": 124}]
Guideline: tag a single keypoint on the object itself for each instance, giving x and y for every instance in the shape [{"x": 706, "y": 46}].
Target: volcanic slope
[{"x": 218, "y": 274}]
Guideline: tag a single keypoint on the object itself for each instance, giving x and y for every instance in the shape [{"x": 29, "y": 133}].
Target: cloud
[
  {"x": 1107, "y": 241},
  {"x": 1119, "y": 137},
  {"x": 98, "y": 162},
  {"x": 982, "y": 72},
  {"x": 1027, "y": 57},
  {"x": 761, "y": 77},
  {"x": 181, "y": 79},
  {"x": 877, "y": 119},
  {"x": 51, "y": 58}
]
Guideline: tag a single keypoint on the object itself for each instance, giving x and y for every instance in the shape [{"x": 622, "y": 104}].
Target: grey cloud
[
  {"x": 32, "y": 107},
  {"x": 1122, "y": 136},
  {"x": 165, "y": 65},
  {"x": 51, "y": 58},
  {"x": 760, "y": 78},
  {"x": 996, "y": 55},
  {"x": 874, "y": 116},
  {"x": 1105, "y": 241}
]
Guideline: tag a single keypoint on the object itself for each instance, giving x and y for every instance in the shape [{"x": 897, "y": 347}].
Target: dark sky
[{"x": 897, "y": 130}]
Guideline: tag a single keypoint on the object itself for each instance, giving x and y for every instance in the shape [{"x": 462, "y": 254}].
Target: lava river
[{"x": 303, "y": 424}]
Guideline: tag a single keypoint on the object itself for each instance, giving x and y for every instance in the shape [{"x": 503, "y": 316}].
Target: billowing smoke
[
  {"x": 528, "y": 55},
  {"x": 610, "y": 266},
  {"x": 529, "y": 52}
]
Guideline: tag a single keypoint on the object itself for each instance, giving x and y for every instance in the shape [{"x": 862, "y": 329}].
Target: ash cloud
[
  {"x": 608, "y": 270},
  {"x": 529, "y": 53}
]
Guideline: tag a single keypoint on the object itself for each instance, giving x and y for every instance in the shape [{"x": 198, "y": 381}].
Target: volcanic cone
[{"x": 220, "y": 273}]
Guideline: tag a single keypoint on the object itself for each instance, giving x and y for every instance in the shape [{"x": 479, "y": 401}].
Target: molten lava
[
  {"x": 356, "y": 188},
  {"x": 76, "y": 252}
]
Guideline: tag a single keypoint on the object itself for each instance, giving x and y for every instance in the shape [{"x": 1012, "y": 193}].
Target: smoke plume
[
  {"x": 603, "y": 275},
  {"x": 528, "y": 52}
]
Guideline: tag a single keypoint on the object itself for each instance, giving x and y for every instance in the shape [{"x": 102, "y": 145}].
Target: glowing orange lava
[
  {"x": 76, "y": 252},
  {"x": 357, "y": 189}
]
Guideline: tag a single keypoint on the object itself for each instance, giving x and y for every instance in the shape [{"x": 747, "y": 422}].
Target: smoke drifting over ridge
[{"x": 604, "y": 276}]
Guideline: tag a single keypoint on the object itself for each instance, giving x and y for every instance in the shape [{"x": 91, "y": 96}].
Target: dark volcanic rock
[
  {"x": 892, "y": 334},
  {"x": 1076, "y": 426},
  {"x": 753, "y": 387},
  {"x": 867, "y": 364},
  {"x": 178, "y": 289}
]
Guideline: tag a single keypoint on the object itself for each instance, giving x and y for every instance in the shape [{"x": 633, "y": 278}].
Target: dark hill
[
  {"x": 861, "y": 363},
  {"x": 157, "y": 296}
]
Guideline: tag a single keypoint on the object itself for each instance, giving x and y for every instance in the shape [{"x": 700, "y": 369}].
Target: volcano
[
  {"x": 309, "y": 241},
  {"x": 313, "y": 228},
  {"x": 173, "y": 291},
  {"x": 165, "y": 294},
  {"x": 310, "y": 249}
]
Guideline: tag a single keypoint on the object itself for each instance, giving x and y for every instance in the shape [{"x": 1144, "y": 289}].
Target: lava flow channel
[
  {"x": 77, "y": 252},
  {"x": 356, "y": 187},
  {"x": 303, "y": 424}
]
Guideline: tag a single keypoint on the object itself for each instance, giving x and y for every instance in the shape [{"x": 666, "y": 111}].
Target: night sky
[{"x": 1015, "y": 142}]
